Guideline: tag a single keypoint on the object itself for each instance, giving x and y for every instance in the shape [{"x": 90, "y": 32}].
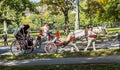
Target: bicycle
[{"x": 20, "y": 46}]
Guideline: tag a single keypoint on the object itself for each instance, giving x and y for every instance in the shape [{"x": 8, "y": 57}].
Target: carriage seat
[{"x": 59, "y": 43}]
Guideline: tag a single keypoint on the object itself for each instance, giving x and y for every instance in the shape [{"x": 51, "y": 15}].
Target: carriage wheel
[
  {"x": 50, "y": 48},
  {"x": 16, "y": 48}
]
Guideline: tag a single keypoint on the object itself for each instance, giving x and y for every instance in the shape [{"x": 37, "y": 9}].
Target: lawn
[
  {"x": 65, "y": 67},
  {"x": 113, "y": 30}
]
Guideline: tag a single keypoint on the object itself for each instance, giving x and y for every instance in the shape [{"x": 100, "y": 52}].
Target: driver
[{"x": 22, "y": 33}]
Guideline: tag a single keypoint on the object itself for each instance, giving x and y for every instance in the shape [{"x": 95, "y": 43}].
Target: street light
[{"x": 77, "y": 22}]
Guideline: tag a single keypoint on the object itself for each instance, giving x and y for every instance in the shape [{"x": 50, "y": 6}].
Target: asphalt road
[{"x": 53, "y": 61}]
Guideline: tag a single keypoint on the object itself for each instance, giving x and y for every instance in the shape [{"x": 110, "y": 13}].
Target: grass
[
  {"x": 65, "y": 67},
  {"x": 113, "y": 30},
  {"x": 104, "y": 52}
]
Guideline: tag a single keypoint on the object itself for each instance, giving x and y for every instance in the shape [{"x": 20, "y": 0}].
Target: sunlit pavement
[{"x": 5, "y": 51}]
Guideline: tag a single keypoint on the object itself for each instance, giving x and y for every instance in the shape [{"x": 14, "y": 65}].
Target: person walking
[
  {"x": 66, "y": 29},
  {"x": 5, "y": 38}
]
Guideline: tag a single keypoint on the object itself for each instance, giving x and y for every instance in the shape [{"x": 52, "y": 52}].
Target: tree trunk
[
  {"x": 66, "y": 16},
  {"x": 5, "y": 26}
]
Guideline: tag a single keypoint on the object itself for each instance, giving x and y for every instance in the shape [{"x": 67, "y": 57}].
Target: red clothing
[
  {"x": 49, "y": 37},
  {"x": 57, "y": 34},
  {"x": 86, "y": 31},
  {"x": 41, "y": 33},
  {"x": 93, "y": 36}
]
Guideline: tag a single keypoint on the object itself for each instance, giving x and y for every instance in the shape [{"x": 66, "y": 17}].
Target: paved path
[
  {"x": 81, "y": 46},
  {"x": 53, "y": 61}
]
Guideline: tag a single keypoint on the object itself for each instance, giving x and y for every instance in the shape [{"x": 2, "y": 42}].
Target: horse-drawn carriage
[{"x": 55, "y": 44}]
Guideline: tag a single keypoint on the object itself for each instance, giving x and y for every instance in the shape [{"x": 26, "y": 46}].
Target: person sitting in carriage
[
  {"x": 22, "y": 33},
  {"x": 46, "y": 33}
]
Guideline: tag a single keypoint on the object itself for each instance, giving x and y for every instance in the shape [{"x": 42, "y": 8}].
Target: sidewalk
[{"x": 53, "y": 61}]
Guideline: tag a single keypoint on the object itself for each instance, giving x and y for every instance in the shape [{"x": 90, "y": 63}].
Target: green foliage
[
  {"x": 58, "y": 6},
  {"x": 59, "y": 12},
  {"x": 92, "y": 15},
  {"x": 12, "y": 11},
  {"x": 112, "y": 14},
  {"x": 17, "y": 5},
  {"x": 104, "y": 11}
]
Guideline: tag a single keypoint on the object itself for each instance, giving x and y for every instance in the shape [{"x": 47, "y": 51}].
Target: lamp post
[{"x": 77, "y": 22}]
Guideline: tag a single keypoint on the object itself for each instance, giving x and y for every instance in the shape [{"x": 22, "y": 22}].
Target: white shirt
[
  {"x": 46, "y": 29},
  {"x": 18, "y": 30}
]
